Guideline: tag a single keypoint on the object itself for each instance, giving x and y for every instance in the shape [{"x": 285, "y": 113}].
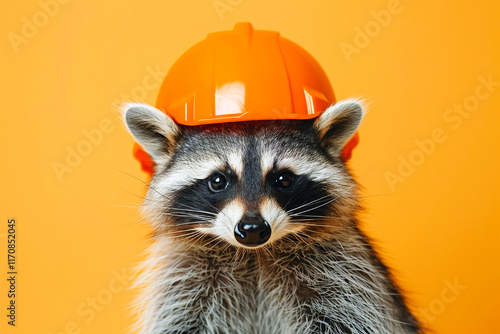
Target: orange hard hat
[{"x": 242, "y": 75}]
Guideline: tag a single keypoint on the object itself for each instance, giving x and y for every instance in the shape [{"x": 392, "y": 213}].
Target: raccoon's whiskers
[
  {"x": 187, "y": 215},
  {"x": 315, "y": 217},
  {"x": 193, "y": 209},
  {"x": 316, "y": 207},
  {"x": 218, "y": 241},
  {"x": 296, "y": 234},
  {"x": 198, "y": 195},
  {"x": 308, "y": 225},
  {"x": 299, "y": 221},
  {"x": 308, "y": 203},
  {"x": 133, "y": 176},
  {"x": 185, "y": 209},
  {"x": 327, "y": 202},
  {"x": 176, "y": 233},
  {"x": 193, "y": 242},
  {"x": 185, "y": 238}
]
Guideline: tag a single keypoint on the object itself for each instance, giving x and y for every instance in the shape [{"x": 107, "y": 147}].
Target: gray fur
[
  {"x": 319, "y": 276},
  {"x": 154, "y": 130},
  {"x": 342, "y": 119}
]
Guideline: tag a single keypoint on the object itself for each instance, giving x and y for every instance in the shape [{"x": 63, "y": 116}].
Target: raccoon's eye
[
  {"x": 284, "y": 180},
  {"x": 217, "y": 182}
]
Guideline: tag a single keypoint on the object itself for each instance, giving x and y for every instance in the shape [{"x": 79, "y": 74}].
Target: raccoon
[{"x": 256, "y": 230}]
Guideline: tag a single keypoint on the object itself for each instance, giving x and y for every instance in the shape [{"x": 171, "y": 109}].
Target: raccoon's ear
[
  {"x": 152, "y": 129},
  {"x": 338, "y": 123}
]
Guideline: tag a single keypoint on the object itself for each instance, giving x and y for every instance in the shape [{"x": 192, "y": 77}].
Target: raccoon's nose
[{"x": 252, "y": 230}]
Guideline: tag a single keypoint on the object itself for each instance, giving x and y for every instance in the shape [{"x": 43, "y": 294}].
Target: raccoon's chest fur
[
  {"x": 203, "y": 294},
  {"x": 330, "y": 288}
]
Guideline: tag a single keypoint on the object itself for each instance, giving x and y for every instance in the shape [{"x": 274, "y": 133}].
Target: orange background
[{"x": 78, "y": 231}]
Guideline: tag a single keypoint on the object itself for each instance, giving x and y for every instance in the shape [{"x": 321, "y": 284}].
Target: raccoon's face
[{"x": 248, "y": 183}]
